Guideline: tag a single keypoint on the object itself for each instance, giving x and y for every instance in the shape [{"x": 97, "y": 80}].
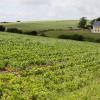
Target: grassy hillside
[
  {"x": 38, "y": 68},
  {"x": 43, "y": 25},
  {"x": 68, "y": 32},
  {"x": 87, "y": 35},
  {"x": 54, "y": 29}
]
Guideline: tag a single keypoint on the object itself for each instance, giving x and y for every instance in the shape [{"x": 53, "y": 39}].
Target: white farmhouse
[{"x": 96, "y": 27}]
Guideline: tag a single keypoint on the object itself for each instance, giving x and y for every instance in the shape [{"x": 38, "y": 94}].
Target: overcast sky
[{"x": 24, "y": 10}]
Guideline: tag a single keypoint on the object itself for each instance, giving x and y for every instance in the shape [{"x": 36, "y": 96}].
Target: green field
[
  {"x": 57, "y": 33},
  {"x": 42, "y": 68},
  {"x": 43, "y": 25},
  {"x": 54, "y": 29},
  {"x": 89, "y": 36}
]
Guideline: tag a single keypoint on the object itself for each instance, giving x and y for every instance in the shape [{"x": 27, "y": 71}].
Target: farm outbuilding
[{"x": 96, "y": 27}]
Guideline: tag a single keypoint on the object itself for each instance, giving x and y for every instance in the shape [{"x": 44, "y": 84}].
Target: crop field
[
  {"x": 41, "y": 68},
  {"x": 43, "y": 25}
]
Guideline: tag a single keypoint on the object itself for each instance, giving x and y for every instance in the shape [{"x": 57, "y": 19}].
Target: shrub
[
  {"x": 73, "y": 37},
  {"x": 89, "y": 27},
  {"x": 77, "y": 37},
  {"x": 43, "y": 34},
  {"x": 14, "y": 30},
  {"x": 98, "y": 40},
  {"x": 2, "y": 28},
  {"x": 4, "y": 22},
  {"x": 1, "y": 94},
  {"x": 34, "y": 33},
  {"x": 64, "y": 36},
  {"x": 70, "y": 28},
  {"x": 31, "y": 33},
  {"x": 18, "y": 21},
  {"x": 90, "y": 39}
]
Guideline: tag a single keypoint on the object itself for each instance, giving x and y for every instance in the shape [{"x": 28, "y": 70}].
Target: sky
[{"x": 28, "y": 10}]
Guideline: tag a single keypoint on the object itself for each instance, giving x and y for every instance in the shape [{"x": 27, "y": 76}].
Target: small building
[{"x": 96, "y": 27}]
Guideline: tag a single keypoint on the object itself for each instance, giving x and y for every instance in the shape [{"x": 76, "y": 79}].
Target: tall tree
[
  {"x": 98, "y": 19},
  {"x": 93, "y": 21},
  {"x": 82, "y": 23}
]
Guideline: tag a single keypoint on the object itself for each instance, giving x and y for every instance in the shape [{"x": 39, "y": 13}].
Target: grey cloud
[
  {"x": 48, "y": 9},
  {"x": 35, "y": 2}
]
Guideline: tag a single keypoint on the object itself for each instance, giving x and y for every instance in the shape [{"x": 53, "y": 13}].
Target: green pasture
[{"x": 43, "y": 25}]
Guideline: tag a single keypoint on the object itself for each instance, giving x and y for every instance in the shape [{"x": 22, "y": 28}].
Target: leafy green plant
[{"x": 42, "y": 68}]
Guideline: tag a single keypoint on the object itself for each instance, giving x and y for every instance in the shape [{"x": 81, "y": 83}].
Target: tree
[
  {"x": 82, "y": 23},
  {"x": 2, "y": 28},
  {"x": 93, "y": 21},
  {"x": 98, "y": 19}
]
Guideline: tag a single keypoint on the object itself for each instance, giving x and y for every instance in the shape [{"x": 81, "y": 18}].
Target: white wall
[{"x": 96, "y": 29}]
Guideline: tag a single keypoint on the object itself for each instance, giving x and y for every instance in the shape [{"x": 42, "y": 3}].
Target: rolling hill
[
  {"x": 42, "y": 68},
  {"x": 43, "y": 25},
  {"x": 66, "y": 29}
]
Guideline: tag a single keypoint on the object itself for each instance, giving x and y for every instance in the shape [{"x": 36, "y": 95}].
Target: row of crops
[{"x": 41, "y": 68}]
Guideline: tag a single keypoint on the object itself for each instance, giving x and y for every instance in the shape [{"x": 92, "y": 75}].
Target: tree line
[
  {"x": 84, "y": 23},
  {"x": 16, "y": 30}
]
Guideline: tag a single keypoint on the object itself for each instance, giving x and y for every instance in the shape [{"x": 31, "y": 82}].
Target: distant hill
[{"x": 43, "y": 25}]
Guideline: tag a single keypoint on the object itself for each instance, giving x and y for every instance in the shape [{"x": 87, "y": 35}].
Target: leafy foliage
[
  {"x": 13, "y": 30},
  {"x": 82, "y": 23},
  {"x": 2, "y": 28},
  {"x": 41, "y": 68},
  {"x": 73, "y": 37},
  {"x": 31, "y": 33},
  {"x": 80, "y": 35},
  {"x": 92, "y": 22}
]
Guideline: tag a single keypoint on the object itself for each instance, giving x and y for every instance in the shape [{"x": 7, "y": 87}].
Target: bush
[
  {"x": 89, "y": 27},
  {"x": 34, "y": 33},
  {"x": 70, "y": 28},
  {"x": 18, "y": 21},
  {"x": 90, "y": 39},
  {"x": 77, "y": 37},
  {"x": 14, "y": 30},
  {"x": 1, "y": 94},
  {"x": 73, "y": 37},
  {"x": 98, "y": 40},
  {"x": 31, "y": 33},
  {"x": 4, "y": 22},
  {"x": 64, "y": 37},
  {"x": 43, "y": 34},
  {"x": 2, "y": 28}
]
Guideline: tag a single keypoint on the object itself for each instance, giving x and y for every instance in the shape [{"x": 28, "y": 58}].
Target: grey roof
[{"x": 96, "y": 24}]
